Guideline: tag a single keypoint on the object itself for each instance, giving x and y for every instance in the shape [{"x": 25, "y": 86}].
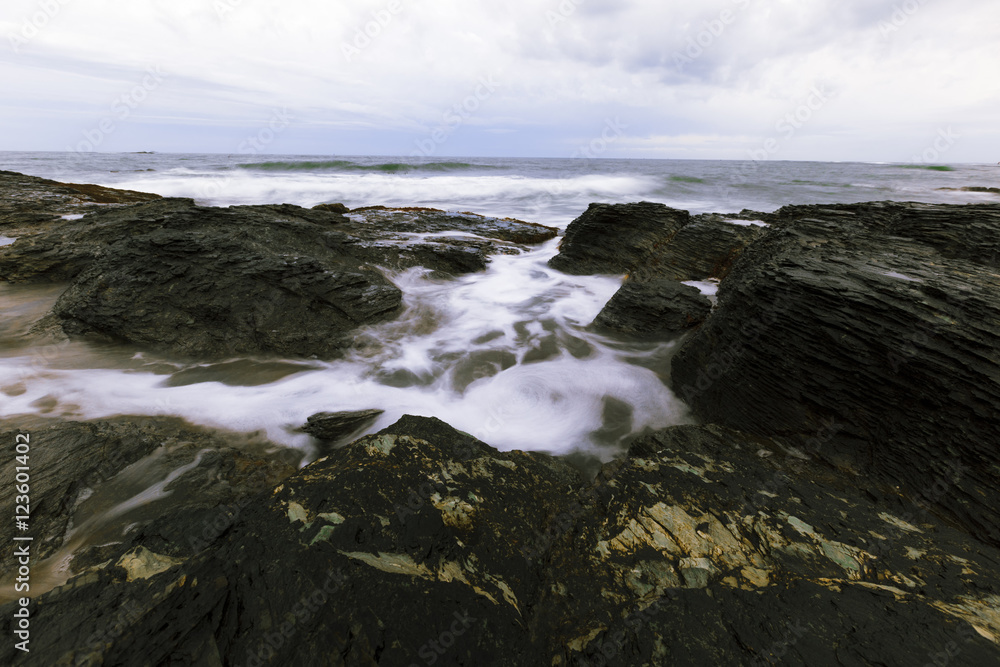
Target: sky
[{"x": 865, "y": 80}]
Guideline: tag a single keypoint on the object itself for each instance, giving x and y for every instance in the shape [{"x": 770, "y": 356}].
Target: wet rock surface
[
  {"x": 213, "y": 282},
  {"x": 28, "y": 201},
  {"x": 617, "y": 238},
  {"x": 90, "y": 479},
  {"x": 706, "y": 247},
  {"x": 702, "y": 546},
  {"x": 336, "y": 425},
  {"x": 417, "y": 521},
  {"x": 707, "y": 546},
  {"x": 883, "y": 318},
  {"x": 207, "y": 282},
  {"x": 659, "y": 307},
  {"x": 658, "y": 248}
]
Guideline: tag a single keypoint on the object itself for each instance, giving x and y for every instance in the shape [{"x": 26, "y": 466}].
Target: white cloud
[{"x": 689, "y": 80}]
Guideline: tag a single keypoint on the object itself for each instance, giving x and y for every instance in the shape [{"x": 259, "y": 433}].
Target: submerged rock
[
  {"x": 456, "y": 243},
  {"x": 617, "y": 238},
  {"x": 90, "y": 480},
  {"x": 882, "y": 318},
  {"x": 660, "y": 307},
  {"x": 435, "y": 221}
]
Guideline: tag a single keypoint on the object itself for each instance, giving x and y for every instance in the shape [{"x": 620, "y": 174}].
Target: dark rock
[
  {"x": 702, "y": 546},
  {"x": 28, "y": 200},
  {"x": 652, "y": 302},
  {"x": 336, "y": 425},
  {"x": 81, "y": 470},
  {"x": 456, "y": 243},
  {"x": 707, "y": 546},
  {"x": 655, "y": 308},
  {"x": 333, "y": 208},
  {"x": 393, "y": 238},
  {"x": 435, "y": 221},
  {"x": 417, "y": 521},
  {"x": 881, "y": 318},
  {"x": 617, "y": 238},
  {"x": 67, "y": 458},
  {"x": 217, "y": 282},
  {"x": 706, "y": 247}
]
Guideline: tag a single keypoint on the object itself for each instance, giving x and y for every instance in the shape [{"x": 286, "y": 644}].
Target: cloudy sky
[{"x": 880, "y": 80}]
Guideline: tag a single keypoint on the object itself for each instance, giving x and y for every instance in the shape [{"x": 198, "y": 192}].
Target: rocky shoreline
[{"x": 836, "y": 503}]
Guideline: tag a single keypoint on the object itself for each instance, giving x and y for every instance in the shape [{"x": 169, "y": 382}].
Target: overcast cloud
[{"x": 798, "y": 79}]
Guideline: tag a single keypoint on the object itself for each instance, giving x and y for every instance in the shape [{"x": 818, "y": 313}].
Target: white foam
[
  {"x": 548, "y": 200},
  {"x": 74, "y": 216},
  {"x": 6, "y": 240},
  {"x": 503, "y": 354},
  {"x": 709, "y": 287}
]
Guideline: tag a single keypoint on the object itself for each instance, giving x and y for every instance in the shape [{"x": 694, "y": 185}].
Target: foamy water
[{"x": 504, "y": 355}]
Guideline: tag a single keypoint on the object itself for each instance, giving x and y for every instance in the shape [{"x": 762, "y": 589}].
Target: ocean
[{"x": 505, "y": 354}]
